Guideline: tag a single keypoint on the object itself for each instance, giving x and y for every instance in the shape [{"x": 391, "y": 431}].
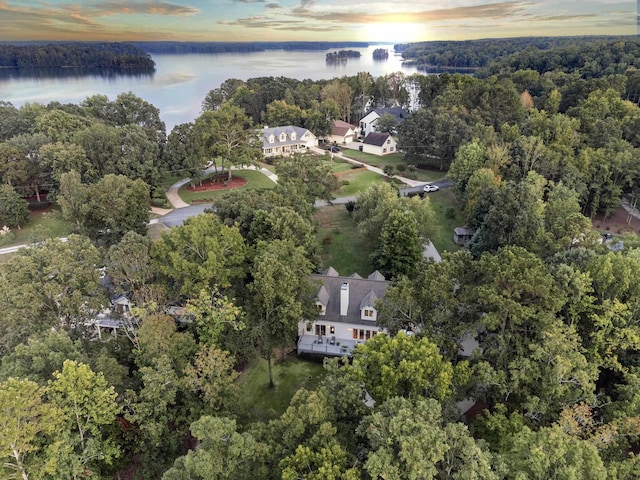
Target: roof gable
[
  {"x": 362, "y": 292},
  {"x": 368, "y": 300},
  {"x": 376, "y": 138},
  {"x": 341, "y": 128}
]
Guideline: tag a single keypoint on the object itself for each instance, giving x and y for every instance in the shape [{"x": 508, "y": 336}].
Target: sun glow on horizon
[{"x": 396, "y": 32}]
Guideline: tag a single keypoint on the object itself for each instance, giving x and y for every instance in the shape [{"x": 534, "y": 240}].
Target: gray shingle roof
[
  {"x": 376, "y": 138},
  {"x": 276, "y": 131},
  {"x": 376, "y": 276},
  {"x": 331, "y": 272},
  {"x": 369, "y": 300},
  {"x": 360, "y": 290},
  {"x": 398, "y": 112},
  {"x": 323, "y": 296}
]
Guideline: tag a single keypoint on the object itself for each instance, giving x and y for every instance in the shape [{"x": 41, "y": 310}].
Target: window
[
  {"x": 272, "y": 138},
  {"x": 355, "y": 333},
  {"x": 384, "y": 150},
  {"x": 293, "y": 136},
  {"x": 368, "y": 313},
  {"x": 388, "y": 141},
  {"x": 283, "y": 137},
  {"x": 321, "y": 330},
  {"x": 309, "y": 326},
  {"x": 332, "y": 329},
  {"x": 361, "y": 337}
]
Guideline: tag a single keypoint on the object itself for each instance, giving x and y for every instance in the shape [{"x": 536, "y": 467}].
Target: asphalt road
[
  {"x": 446, "y": 183},
  {"x": 177, "y": 217}
]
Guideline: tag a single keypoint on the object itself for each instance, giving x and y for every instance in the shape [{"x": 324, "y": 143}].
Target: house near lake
[
  {"x": 369, "y": 121},
  {"x": 347, "y": 313},
  {"x": 287, "y": 140},
  {"x": 379, "y": 144}
]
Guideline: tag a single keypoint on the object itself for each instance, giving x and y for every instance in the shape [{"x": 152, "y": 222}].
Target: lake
[{"x": 180, "y": 82}]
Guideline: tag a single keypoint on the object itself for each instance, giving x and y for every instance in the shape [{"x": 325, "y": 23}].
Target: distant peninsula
[
  {"x": 342, "y": 55},
  {"x": 239, "y": 47},
  {"x": 75, "y": 55}
]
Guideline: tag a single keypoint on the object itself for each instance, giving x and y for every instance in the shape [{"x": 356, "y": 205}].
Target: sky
[{"x": 311, "y": 20}]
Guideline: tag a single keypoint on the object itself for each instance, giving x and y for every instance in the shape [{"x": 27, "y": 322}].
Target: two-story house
[
  {"x": 347, "y": 313},
  {"x": 284, "y": 141},
  {"x": 368, "y": 122}
]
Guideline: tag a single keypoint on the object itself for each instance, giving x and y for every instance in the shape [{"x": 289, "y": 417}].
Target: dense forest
[
  {"x": 481, "y": 53},
  {"x": 552, "y": 310},
  {"x": 239, "y": 47},
  {"x": 89, "y": 55}
]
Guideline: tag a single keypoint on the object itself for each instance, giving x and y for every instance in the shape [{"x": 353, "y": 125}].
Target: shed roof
[{"x": 376, "y": 138}]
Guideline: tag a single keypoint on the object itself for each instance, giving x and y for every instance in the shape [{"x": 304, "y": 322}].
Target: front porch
[{"x": 326, "y": 345}]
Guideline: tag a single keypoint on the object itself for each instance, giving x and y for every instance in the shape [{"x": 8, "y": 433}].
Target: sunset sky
[{"x": 310, "y": 20}]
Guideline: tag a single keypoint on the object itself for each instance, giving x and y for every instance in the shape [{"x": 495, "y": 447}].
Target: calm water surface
[{"x": 181, "y": 82}]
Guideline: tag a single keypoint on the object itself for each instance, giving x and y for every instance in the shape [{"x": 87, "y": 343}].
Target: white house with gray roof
[
  {"x": 284, "y": 141},
  {"x": 347, "y": 313},
  {"x": 369, "y": 121}
]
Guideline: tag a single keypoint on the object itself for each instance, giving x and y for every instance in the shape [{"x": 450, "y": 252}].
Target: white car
[{"x": 430, "y": 188}]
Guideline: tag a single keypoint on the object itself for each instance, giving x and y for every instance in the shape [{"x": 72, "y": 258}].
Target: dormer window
[
  {"x": 283, "y": 137},
  {"x": 321, "y": 308},
  {"x": 272, "y": 138},
  {"x": 293, "y": 136}
]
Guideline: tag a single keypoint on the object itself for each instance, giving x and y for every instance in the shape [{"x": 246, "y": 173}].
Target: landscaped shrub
[
  {"x": 401, "y": 167},
  {"x": 159, "y": 202},
  {"x": 6, "y": 236},
  {"x": 350, "y": 206}
]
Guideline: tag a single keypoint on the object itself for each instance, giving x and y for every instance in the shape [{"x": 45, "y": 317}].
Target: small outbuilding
[
  {"x": 463, "y": 235},
  {"x": 379, "y": 144}
]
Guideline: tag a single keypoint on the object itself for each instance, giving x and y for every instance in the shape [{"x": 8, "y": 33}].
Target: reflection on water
[{"x": 74, "y": 72}]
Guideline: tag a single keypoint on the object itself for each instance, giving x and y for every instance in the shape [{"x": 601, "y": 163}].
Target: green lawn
[
  {"x": 255, "y": 180},
  {"x": 41, "y": 225},
  {"x": 395, "y": 159},
  {"x": 444, "y": 204},
  {"x": 342, "y": 247},
  {"x": 262, "y": 403},
  {"x": 358, "y": 180}
]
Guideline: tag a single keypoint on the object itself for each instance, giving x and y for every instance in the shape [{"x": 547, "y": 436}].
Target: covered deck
[{"x": 326, "y": 346}]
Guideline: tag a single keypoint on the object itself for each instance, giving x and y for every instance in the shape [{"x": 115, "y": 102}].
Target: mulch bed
[
  {"x": 616, "y": 223},
  {"x": 218, "y": 182}
]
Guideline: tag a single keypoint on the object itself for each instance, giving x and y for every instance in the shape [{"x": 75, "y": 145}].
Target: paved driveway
[
  {"x": 177, "y": 217},
  {"x": 446, "y": 183}
]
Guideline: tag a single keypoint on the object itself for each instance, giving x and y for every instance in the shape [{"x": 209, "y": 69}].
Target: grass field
[
  {"x": 263, "y": 403},
  {"x": 41, "y": 225},
  {"x": 342, "y": 247},
  {"x": 395, "y": 159},
  {"x": 358, "y": 180},
  {"x": 448, "y": 217},
  {"x": 255, "y": 181}
]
